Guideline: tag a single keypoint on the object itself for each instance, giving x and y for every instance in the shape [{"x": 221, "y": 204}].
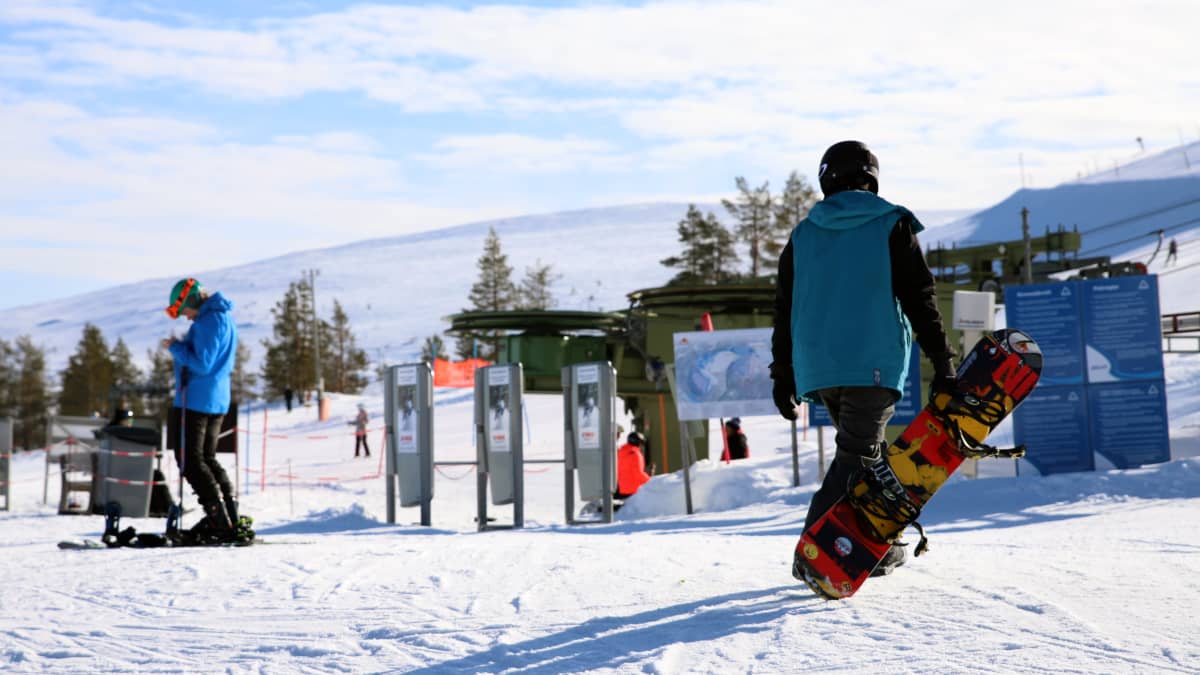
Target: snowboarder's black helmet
[
  {"x": 635, "y": 438},
  {"x": 848, "y": 165}
]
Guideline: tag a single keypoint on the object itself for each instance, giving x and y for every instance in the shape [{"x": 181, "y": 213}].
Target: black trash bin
[{"x": 125, "y": 471}]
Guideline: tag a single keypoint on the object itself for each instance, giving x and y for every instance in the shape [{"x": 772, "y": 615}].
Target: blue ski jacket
[
  {"x": 847, "y": 326},
  {"x": 207, "y": 353}
]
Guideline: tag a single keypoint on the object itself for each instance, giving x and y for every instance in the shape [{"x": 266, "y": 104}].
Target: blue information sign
[
  {"x": 1122, "y": 329},
  {"x": 1129, "y": 422},
  {"x": 1105, "y": 334},
  {"x": 1052, "y": 424},
  {"x": 1050, "y": 314},
  {"x": 907, "y": 409}
]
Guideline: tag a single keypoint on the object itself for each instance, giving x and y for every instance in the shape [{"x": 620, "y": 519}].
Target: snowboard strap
[
  {"x": 886, "y": 499},
  {"x": 976, "y": 450}
]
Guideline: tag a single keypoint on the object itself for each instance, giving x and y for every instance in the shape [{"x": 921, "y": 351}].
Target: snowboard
[
  {"x": 841, "y": 549},
  {"x": 130, "y": 538}
]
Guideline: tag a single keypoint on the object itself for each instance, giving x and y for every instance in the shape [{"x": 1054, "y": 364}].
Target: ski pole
[{"x": 182, "y": 438}]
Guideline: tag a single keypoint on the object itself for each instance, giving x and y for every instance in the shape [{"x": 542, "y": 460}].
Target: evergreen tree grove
[
  {"x": 241, "y": 381},
  {"x": 126, "y": 377},
  {"x": 161, "y": 376},
  {"x": 88, "y": 377},
  {"x": 534, "y": 292},
  {"x": 493, "y": 291},
  {"x": 708, "y": 255},
  {"x": 752, "y": 211},
  {"x": 434, "y": 347},
  {"x": 288, "y": 360},
  {"x": 343, "y": 362},
  {"x": 30, "y": 396},
  {"x": 797, "y": 198}
]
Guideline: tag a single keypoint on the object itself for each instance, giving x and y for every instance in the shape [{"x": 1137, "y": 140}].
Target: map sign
[{"x": 723, "y": 374}]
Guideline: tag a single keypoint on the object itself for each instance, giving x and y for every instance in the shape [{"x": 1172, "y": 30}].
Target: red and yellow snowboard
[{"x": 841, "y": 549}]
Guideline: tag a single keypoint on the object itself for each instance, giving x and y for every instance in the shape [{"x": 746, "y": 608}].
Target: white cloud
[
  {"x": 516, "y": 152},
  {"x": 949, "y": 94}
]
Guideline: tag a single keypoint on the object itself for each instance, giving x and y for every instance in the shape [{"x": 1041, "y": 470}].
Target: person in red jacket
[{"x": 631, "y": 466}]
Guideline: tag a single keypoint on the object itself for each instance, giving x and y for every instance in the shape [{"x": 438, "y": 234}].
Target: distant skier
[
  {"x": 203, "y": 362},
  {"x": 631, "y": 466},
  {"x": 1172, "y": 253},
  {"x": 735, "y": 439},
  {"x": 851, "y": 277},
  {"x": 631, "y": 473},
  {"x": 360, "y": 431}
]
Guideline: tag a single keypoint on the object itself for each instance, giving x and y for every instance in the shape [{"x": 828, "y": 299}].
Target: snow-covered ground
[
  {"x": 1095, "y": 572},
  {"x": 1091, "y": 572}
]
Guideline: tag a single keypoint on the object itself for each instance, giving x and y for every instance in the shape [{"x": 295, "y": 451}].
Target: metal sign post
[
  {"x": 408, "y": 416},
  {"x": 589, "y": 413},
  {"x": 500, "y": 445}
]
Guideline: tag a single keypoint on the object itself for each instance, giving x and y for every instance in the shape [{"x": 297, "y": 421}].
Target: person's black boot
[
  {"x": 896, "y": 556},
  {"x": 231, "y": 510},
  {"x": 215, "y": 527}
]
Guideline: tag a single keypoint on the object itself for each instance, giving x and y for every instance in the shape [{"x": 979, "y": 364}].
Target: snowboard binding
[{"x": 885, "y": 498}]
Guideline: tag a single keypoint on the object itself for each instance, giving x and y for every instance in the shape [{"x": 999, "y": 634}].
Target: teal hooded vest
[{"x": 847, "y": 326}]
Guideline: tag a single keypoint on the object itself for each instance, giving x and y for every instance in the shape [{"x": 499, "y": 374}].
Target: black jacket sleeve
[
  {"x": 915, "y": 288},
  {"x": 781, "y": 337}
]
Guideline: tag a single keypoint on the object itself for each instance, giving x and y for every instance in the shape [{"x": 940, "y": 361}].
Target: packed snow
[{"x": 1085, "y": 572}]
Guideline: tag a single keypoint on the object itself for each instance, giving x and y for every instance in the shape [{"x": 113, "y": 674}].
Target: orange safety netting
[{"x": 456, "y": 373}]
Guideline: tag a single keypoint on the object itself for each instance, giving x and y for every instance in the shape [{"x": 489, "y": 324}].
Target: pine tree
[
  {"x": 8, "y": 379},
  {"x": 344, "y": 362},
  {"x": 288, "y": 359},
  {"x": 534, "y": 292},
  {"x": 434, "y": 348},
  {"x": 161, "y": 376},
  {"x": 494, "y": 291},
  {"x": 127, "y": 378},
  {"x": 753, "y": 213},
  {"x": 708, "y": 255},
  {"x": 30, "y": 395},
  {"x": 241, "y": 381},
  {"x": 88, "y": 377},
  {"x": 793, "y": 206}
]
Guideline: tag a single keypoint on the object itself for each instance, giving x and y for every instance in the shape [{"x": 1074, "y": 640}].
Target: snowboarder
[
  {"x": 1172, "y": 253},
  {"x": 360, "y": 431},
  {"x": 851, "y": 278},
  {"x": 288, "y": 396},
  {"x": 203, "y": 362},
  {"x": 735, "y": 439}
]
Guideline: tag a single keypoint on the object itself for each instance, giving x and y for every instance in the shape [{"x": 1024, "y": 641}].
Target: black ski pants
[
  {"x": 860, "y": 415},
  {"x": 199, "y": 461},
  {"x": 361, "y": 441}
]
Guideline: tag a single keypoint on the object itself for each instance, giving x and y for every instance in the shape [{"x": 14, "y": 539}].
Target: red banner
[{"x": 456, "y": 373}]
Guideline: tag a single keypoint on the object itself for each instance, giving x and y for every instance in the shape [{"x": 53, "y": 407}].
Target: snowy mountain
[
  {"x": 1085, "y": 573},
  {"x": 397, "y": 290}
]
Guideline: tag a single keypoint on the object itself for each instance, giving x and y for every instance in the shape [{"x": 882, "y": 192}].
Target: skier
[
  {"x": 203, "y": 363},
  {"x": 1172, "y": 253},
  {"x": 851, "y": 278},
  {"x": 360, "y": 431},
  {"x": 735, "y": 439}
]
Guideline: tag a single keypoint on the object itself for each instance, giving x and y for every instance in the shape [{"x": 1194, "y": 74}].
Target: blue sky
[{"x": 144, "y": 139}]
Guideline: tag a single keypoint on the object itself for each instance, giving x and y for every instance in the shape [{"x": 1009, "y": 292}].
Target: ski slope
[{"x": 1096, "y": 572}]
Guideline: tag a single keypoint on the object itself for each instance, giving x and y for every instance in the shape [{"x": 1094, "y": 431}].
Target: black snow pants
[
  {"x": 199, "y": 463},
  {"x": 860, "y": 415}
]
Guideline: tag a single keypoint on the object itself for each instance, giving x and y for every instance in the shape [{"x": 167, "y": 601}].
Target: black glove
[
  {"x": 784, "y": 390},
  {"x": 944, "y": 379}
]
